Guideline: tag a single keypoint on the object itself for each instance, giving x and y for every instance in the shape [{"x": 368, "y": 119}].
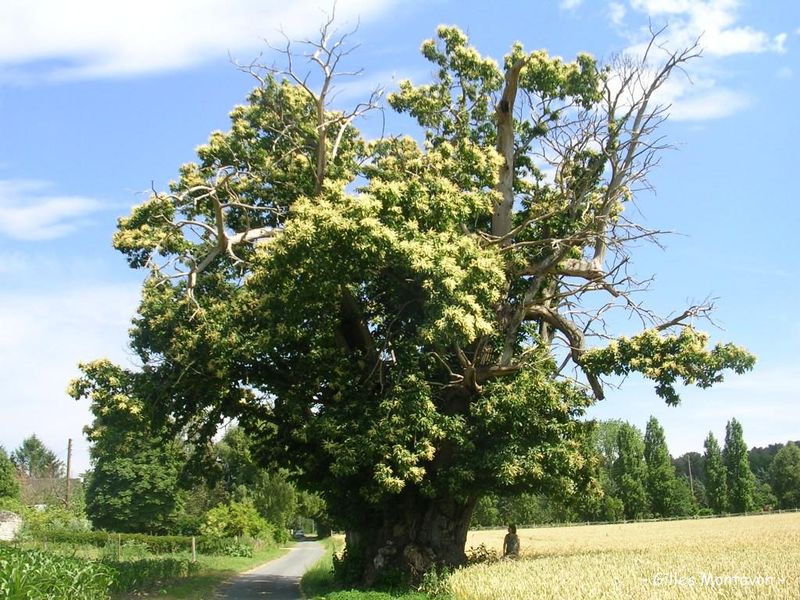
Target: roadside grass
[
  {"x": 318, "y": 582},
  {"x": 213, "y": 571}
]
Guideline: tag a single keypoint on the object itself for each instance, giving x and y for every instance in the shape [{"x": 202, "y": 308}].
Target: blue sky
[{"x": 100, "y": 100}]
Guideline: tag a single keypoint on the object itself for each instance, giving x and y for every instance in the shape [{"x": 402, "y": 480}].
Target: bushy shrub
[
  {"x": 243, "y": 547},
  {"x": 236, "y": 519},
  {"x": 40, "y": 523}
]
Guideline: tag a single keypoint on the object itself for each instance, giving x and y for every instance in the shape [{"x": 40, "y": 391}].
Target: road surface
[{"x": 276, "y": 580}]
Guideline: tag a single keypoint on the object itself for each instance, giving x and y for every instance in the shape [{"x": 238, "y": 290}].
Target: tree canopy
[
  {"x": 9, "y": 486},
  {"x": 34, "y": 459},
  {"x": 133, "y": 485},
  {"x": 740, "y": 479},
  {"x": 410, "y": 322},
  {"x": 785, "y": 476}
]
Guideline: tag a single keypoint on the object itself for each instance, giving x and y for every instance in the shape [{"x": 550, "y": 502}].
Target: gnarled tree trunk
[{"x": 408, "y": 537}]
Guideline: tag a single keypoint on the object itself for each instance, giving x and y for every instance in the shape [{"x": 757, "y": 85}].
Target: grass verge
[
  {"x": 318, "y": 582},
  {"x": 213, "y": 570}
]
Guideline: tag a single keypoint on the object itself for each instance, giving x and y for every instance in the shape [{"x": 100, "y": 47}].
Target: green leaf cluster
[{"x": 667, "y": 359}]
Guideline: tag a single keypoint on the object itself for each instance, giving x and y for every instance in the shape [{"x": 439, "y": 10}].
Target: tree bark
[
  {"x": 501, "y": 219},
  {"x": 408, "y": 536}
]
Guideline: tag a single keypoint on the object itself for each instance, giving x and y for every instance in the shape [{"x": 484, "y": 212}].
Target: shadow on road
[{"x": 275, "y": 580}]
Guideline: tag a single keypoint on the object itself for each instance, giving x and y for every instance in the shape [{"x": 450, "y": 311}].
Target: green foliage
[
  {"x": 236, "y": 519},
  {"x": 630, "y": 472},
  {"x": 740, "y": 479},
  {"x": 133, "y": 486},
  {"x": 271, "y": 491},
  {"x": 764, "y": 498},
  {"x": 34, "y": 459},
  {"x": 366, "y": 315},
  {"x": 157, "y": 544},
  {"x": 785, "y": 476},
  {"x": 9, "y": 486},
  {"x": 33, "y": 575},
  {"x": 716, "y": 476},
  {"x": 144, "y": 573},
  {"x": 761, "y": 459},
  {"x": 53, "y": 519},
  {"x": 666, "y": 359},
  {"x": 682, "y": 502},
  {"x": 662, "y": 485},
  {"x": 154, "y": 544},
  {"x": 523, "y": 509}
]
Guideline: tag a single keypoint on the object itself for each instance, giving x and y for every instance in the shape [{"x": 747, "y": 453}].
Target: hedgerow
[{"x": 156, "y": 544}]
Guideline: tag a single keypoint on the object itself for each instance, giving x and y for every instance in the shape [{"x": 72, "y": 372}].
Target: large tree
[
  {"x": 133, "y": 484},
  {"x": 34, "y": 459},
  {"x": 395, "y": 319},
  {"x": 740, "y": 479}
]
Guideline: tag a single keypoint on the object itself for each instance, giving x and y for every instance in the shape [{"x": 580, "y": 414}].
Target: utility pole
[{"x": 69, "y": 468}]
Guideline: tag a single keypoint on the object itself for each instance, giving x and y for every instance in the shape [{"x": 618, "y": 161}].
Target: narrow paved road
[{"x": 276, "y": 580}]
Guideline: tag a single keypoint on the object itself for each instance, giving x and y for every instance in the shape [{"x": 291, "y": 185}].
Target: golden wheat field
[{"x": 737, "y": 557}]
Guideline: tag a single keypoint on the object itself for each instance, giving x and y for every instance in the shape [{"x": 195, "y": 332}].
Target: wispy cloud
[
  {"x": 716, "y": 25},
  {"x": 702, "y": 100},
  {"x": 616, "y": 13},
  {"x": 99, "y": 39},
  {"x": 715, "y": 22},
  {"x": 32, "y": 211},
  {"x": 569, "y": 4}
]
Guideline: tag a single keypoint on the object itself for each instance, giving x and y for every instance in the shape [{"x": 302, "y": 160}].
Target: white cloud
[
  {"x": 43, "y": 337},
  {"x": 569, "y": 4},
  {"x": 616, "y": 13},
  {"x": 97, "y": 38},
  {"x": 702, "y": 100},
  {"x": 32, "y": 212},
  {"x": 715, "y": 23}
]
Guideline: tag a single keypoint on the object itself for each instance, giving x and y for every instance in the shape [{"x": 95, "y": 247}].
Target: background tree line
[
  {"x": 636, "y": 478},
  {"x": 143, "y": 482}
]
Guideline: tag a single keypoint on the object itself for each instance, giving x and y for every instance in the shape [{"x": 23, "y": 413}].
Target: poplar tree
[
  {"x": 740, "y": 479},
  {"x": 630, "y": 472},
  {"x": 716, "y": 476},
  {"x": 661, "y": 480}
]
